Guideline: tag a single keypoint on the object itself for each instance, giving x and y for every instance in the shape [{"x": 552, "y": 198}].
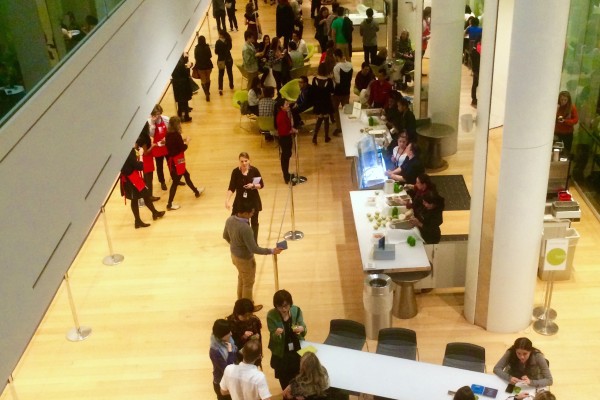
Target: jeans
[
  {"x": 229, "y": 68},
  {"x": 246, "y": 276}
]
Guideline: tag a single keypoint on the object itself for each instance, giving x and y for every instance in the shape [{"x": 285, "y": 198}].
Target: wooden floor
[{"x": 152, "y": 315}]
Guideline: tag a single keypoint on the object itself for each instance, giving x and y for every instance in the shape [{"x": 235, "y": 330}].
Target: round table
[{"x": 433, "y": 134}]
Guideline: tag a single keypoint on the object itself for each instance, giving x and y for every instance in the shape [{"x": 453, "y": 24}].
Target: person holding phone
[
  {"x": 245, "y": 326},
  {"x": 222, "y": 353},
  {"x": 523, "y": 363},
  {"x": 245, "y": 182},
  {"x": 286, "y": 328},
  {"x": 242, "y": 245}
]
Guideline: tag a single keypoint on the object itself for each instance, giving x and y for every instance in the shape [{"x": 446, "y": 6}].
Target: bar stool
[{"x": 405, "y": 301}]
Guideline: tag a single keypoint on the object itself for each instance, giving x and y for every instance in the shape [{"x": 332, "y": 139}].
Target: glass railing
[{"x": 36, "y": 37}]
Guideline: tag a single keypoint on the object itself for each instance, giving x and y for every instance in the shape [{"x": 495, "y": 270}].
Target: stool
[{"x": 405, "y": 301}]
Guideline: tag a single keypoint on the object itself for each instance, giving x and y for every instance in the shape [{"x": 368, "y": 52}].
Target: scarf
[{"x": 217, "y": 344}]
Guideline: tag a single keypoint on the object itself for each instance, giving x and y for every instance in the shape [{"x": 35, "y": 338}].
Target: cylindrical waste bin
[
  {"x": 378, "y": 295},
  {"x": 573, "y": 237}
]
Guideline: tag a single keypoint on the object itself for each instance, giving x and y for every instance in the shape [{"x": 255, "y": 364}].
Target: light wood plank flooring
[{"x": 152, "y": 315}]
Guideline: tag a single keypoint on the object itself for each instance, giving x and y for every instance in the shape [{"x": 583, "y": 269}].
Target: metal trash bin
[
  {"x": 378, "y": 295},
  {"x": 573, "y": 237}
]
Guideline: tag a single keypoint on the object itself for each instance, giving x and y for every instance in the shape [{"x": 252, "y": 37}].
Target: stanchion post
[
  {"x": 293, "y": 234},
  {"x": 11, "y": 385},
  {"x": 78, "y": 333},
  {"x": 545, "y": 326},
  {"x": 539, "y": 312},
  {"x": 113, "y": 258},
  {"x": 299, "y": 178},
  {"x": 208, "y": 24},
  {"x": 276, "y": 272}
]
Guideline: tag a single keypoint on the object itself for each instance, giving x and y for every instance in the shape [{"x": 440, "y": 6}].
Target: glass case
[{"x": 370, "y": 166}]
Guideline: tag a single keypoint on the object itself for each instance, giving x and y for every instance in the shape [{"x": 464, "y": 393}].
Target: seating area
[{"x": 465, "y": 356}]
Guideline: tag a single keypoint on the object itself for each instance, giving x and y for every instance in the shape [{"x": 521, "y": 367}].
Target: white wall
[{"x": 61, "y": 153}]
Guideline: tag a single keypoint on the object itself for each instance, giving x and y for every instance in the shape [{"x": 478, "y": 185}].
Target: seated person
[
  {"x": 380, "y": 90},
  {"x": 303, "y": 102},
  {"x": 379, "y": 59},
  {"x": 406, "y": 53},
  {"x": 296, "y": 57},
  {"x": 254, "y": 95},
  {"x": 397, "y": 150},
  {"x": 523, "y": 363},
  {"x": 407, "y": 120},
  {"x": 422, "y": 186},
  {"x": 266, "y": 104},
  {"x": 300, "y": 43},
  {"x": 363, "y": 78},
  {"x": 391, "y": 112},
  {"x": 411, "y": 167},
  {"x": 428, "y": 217}
]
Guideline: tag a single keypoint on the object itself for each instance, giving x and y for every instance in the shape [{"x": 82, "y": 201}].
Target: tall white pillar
[
  {"x": 447, "y": 26},
  {"x": 509, "y": 197}
]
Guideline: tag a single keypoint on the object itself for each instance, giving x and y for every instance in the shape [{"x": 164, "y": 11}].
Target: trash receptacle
[
  {"x": 573, "y": 237},
  {"x": 378, "y": 296}
]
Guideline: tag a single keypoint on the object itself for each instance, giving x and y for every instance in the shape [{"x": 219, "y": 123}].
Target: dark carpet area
[{"x": 454, "y": 189}]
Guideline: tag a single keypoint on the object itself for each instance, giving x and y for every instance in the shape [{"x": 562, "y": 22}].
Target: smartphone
[
  {"x": 477, "y": 389},
  {"x": 510, "y": 388},
  {"x": 282, "y": 245},
  {"x": 490, "y": 392}
]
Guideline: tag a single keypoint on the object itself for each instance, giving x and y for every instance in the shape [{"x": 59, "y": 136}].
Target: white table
[
  {"x": 351, "y": 127},
  {"x": 398, "y": 378},
  {"x": 407, "y": 259}
]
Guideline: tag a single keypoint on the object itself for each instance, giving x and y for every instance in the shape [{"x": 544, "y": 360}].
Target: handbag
[
  {"x": 195, "y": 73},
  {"x": 221, "y": 65}
]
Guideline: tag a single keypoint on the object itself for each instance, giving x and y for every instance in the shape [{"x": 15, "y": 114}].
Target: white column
[
  {"x": 447, "y": 25},
  {"x": 510, "y": 215}
]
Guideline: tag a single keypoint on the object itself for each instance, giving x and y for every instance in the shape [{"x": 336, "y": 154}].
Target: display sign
[
  {"x": 356, "y": 109},
  {"x": 555, "y": 258}
]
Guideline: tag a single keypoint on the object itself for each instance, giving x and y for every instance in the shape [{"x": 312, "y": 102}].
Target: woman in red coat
[
  {"x": 286, "y": 130},
  {"x": 566, "y": 118}
]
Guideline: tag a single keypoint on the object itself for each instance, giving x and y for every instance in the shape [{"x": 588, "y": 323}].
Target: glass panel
[{"x": 36, "y": 36}]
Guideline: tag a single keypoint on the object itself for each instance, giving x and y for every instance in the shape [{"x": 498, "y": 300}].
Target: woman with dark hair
[
  {"x": 204, "y": 64},
  {"x": 284, "y": 21},
  {"x": 223, "y": 352},
  {"x": 145, "y": 146},
  {"x": 274, "y": 61},
  {"x": 410, "y": 168},
  {"x": 243, "y": 184},
  {"x": 312, "y": 381},
  {"x": 322, "y": 86},
  {"x": 251, "y": 16},
  {"x": 245, "y": 326},
  {"x": 263, "y": 47},
  {"x": 224, "y": 59},
  {"x": 429, "y": 216},
  {"x": 407, "y": 120},
  {"x": 176, "y": 146},
  {"x": 422, "y": 186},
  {"x": 321, "y": 29},
  {"x": 182, "y": 89},
  {"x": 254, "y": 95},
  {"x": 464, "y": 393},
  {"x": 286, "y": 329},
  {"x": 566, "y": 119},
  {"x": 523, "y": 363}
]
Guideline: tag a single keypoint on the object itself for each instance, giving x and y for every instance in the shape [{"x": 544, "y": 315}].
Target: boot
[
  {"x": 317, "y": 127},
  {"x": 327, "y": 138},
  {"x": 206, "y": 91}
]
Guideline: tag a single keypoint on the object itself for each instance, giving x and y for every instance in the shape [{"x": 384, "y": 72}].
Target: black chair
[
  {"x": 346, "y": 333},
  {"x": 398, "y": 342},
  {"x": 465, "y": 356}
]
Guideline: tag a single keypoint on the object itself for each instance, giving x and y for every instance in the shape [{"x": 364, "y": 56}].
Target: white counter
[
  {"x": 407, "y": 258},
  {"x": 351, "y": 133},
  {"x": 398, "y": 378}
]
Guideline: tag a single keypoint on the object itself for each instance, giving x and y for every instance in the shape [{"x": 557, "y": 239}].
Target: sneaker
[
  {"x": 141, "y": 203},
  {"x": 199, "y": 192},
  {"x": 163, "y": 186},
  {"x": 173, "y": 207}
]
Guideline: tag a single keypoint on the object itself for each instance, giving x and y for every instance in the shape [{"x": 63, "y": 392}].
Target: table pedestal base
[{"x": 405, "y": 301}]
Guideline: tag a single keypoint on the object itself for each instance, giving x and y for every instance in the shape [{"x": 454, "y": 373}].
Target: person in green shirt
[{"x": 337, "y": 32}]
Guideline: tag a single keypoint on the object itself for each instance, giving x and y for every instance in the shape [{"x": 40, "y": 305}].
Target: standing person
[
  {"x": 342, "y": 78},
  {"x": 426, "y": 24},
  {"x": 368, "y": 30},
  {"x": 243, "y": 183},
  {"x": 523, "y": 363},
  {"x": 380, "y": 90},
  {"x": 284, "y": 21},
  {"x": 286, "y": 329},
  {"x": 204, "y": 64},
  {"x": 218, "y": 7},
  {"x": 133, "y": 188},
  {"x": 429, "y": 217},
  {"x": 337, "y": 32},
  {"x": 230, "y": 8},
  {"x": 242, "y": 245},
  {"x": 182, "y": 90},
  {"x": 223, "y": 352},
  {"x": 322, "y": 104},
  {"x": 321, "y": 30},
  {"x": 244, "y": 325},
  {"x": 176, "y": 146},
  {"x": 312, "y": 381},
  {"x": 224, "y": 59},
  {"x": 145, "y": 146},
  {"x": 286, "y": 131},
  {"x": 245, "y": 381},
  {"x": 249, "y": 56},
  {"x": 347, "y": 29},
  {"x": 158, "y": 130},
  {"x": 315, "y": 6},
  {"x": 475, "y": 57},
  {"x": 251, "y": 16},
  {"x": 566, "y": 119}
]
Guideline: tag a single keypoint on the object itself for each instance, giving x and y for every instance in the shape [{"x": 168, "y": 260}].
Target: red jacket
[
  {"x": 284, "y": 123},
  {"x": 380, "y": 92},
  {"x": 566, "y": 127}
]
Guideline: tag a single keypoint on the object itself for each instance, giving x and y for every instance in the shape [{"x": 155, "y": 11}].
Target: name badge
[{"x": 245, "y": 195}]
